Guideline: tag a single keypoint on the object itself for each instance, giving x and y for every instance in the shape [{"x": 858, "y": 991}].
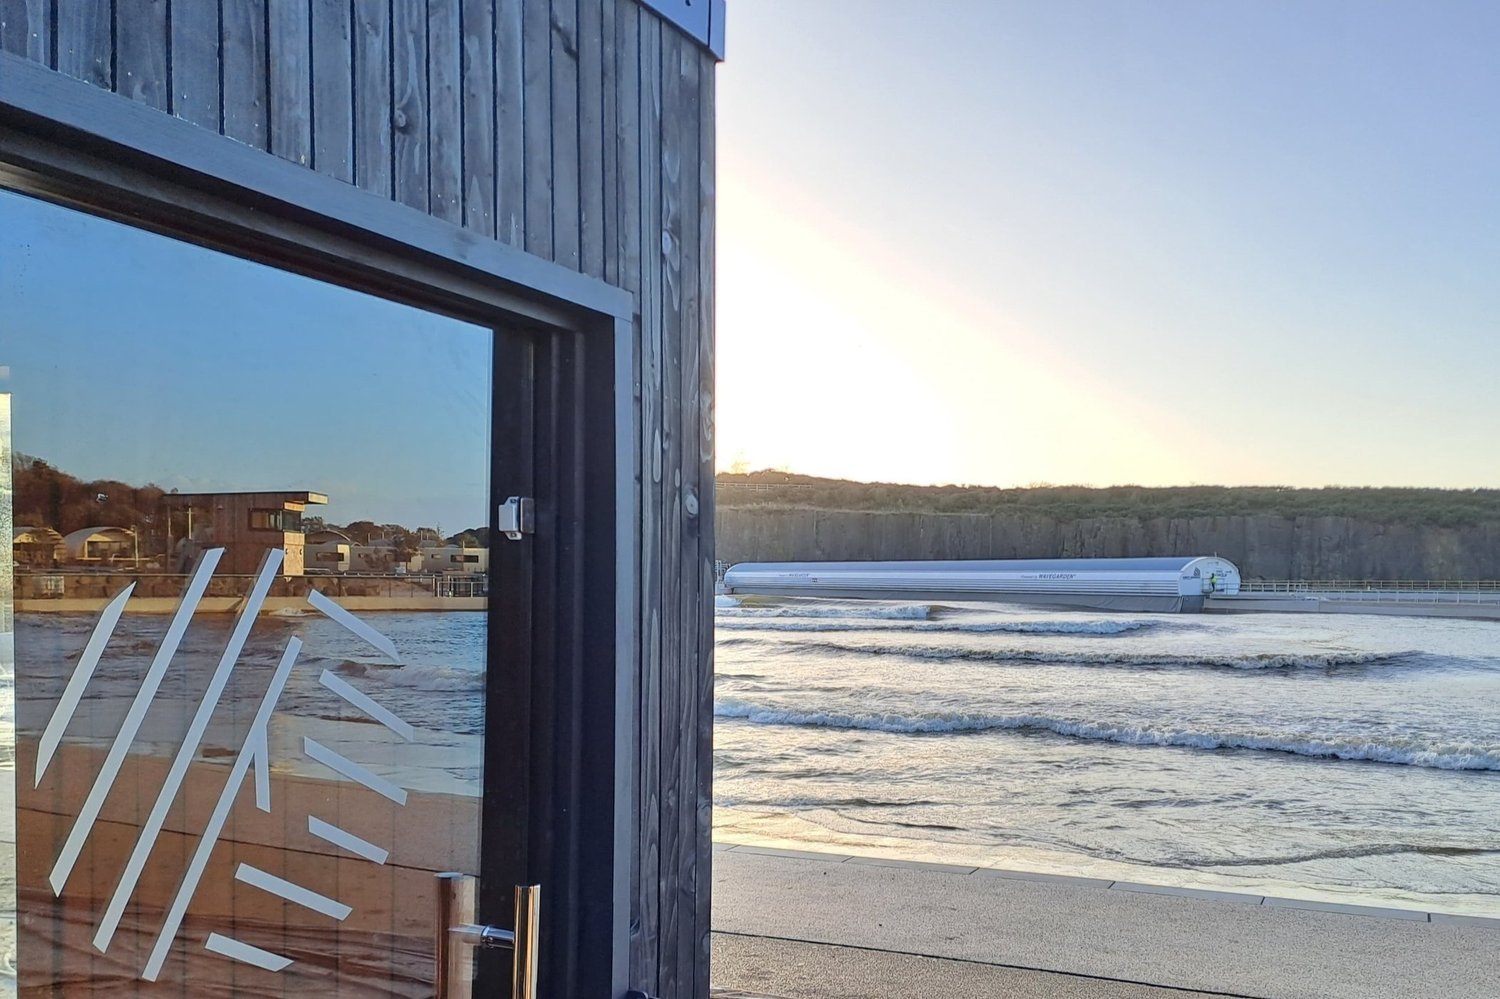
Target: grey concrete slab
[
  {"x": 1057, "y": 879},
  {"x": 1201, "y": 893},
  {"x": 760, "y": 968},
  {"x": 917, "y": 864},
  {"x": 1491, "y": 922},
  {"x": 1381, "y": 912},
  {"x": 1164, "y": 940},
  {"x": 766, "y": 851}
]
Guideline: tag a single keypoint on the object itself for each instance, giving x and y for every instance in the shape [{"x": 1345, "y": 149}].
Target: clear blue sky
[
  {"x": 139, "y": 358},
  {"x": 1106, "y": 242}
]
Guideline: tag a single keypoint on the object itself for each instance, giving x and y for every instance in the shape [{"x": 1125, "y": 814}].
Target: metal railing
[{"x": 1430, "y": 591}]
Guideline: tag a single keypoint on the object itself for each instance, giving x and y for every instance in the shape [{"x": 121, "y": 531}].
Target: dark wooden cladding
[
  {"x": 289, "y": 26},
  {"x": 141, "y": 50},
  {"x": 332, "y": 88},
  {"x": 194, "y": 33},
  {"x": 579, "y": 130},
  {"x": 26, "y": 29},
  {"x": 246, "y": 68},
  {"x": 84, "y": 34}
]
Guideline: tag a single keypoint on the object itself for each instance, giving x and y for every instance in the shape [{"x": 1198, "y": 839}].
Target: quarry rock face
[{"x": 1263, "y": 547}]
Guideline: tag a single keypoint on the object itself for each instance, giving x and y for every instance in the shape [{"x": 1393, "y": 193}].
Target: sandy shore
[{"x": 783, "y": 832}]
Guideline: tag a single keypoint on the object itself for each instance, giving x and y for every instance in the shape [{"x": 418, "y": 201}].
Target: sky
[
  {"x": 304, "y": 386},
  {"x": 1077, "y": 241}
]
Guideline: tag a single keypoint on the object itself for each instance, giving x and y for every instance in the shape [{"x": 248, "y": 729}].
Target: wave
[
  {"x": 950, "y": 627},
  {"x": 1453, "y": 756},
  {"x": 944, "y": 653},
  {"x": 897, "y": 612},
  {"x": 427, "y": 678}
]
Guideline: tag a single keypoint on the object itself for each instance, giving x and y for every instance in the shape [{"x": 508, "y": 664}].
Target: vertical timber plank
[
  {"x": 510, "y": 122},
  {"x": 141, "y": 51},
  {"x": 372, "y": 96},
  {"x": 628, "y": 237},
  {"x": 565, "y": 143},
  {"x": 479, "y": 116},
  {"x": 195, "y": 63},
  {"x": 685, "y": 66},
  {"x": 84, "y": 43},
  {"x": 445, "y": 116},
  {"x": 290, "y": 48},
  {"x": 627, "y": 186},
  {"x": 333, "y": 89},
  {"x": 536, "y": 102},
  {"x": 592, "y": 138},
  {"x": 609, "y": 125},
  {"x": 409, "y": 112},
  {"x": 246, "y": 90},
  {"x": 707, "y": 512},
  {"x": 669, "y": 255},
  {"x": 649, "y": 122},
  {"x": 26, "y": 29}
]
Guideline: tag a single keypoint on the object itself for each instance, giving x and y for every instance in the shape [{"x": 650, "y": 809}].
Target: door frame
[{"x": 66, "y": 141}]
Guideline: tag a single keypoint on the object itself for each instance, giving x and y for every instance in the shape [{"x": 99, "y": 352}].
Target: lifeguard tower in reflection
[{"x": 245, "y": 525}]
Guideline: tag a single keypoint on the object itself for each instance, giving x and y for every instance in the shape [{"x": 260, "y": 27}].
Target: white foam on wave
[
  {"x": 426, "y": 678},
  {"x": 1455, "y": 756},
  {"x": 952, "y": 627},
  {"x": 1260, "y": 661},
  {"x": 887, "y": 612},
  {"x": 722, "y": 600}
]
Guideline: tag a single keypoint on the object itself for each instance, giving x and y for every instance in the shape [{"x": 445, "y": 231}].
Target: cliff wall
[{"x": 1265, "y": 547}]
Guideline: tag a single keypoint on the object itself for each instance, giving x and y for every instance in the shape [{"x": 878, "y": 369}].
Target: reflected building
[
  {"x": 37, "y": 547},
  {"x": 244, "y": 524}
]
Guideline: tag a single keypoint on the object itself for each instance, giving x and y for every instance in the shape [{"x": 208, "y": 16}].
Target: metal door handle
[{"x": 457, "y": 935}]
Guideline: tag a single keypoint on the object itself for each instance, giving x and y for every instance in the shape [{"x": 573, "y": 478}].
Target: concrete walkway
[{"x": 807, "y": 925}]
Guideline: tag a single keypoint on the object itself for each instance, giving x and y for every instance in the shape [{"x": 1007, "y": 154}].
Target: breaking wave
[
  {"x": 426, "y": 678},
  {"x": 897, "y": 612},
  {"x": 1452, "y": 756},
  {"x": 951, "y": 627},
  {"x": 1257, "y": 661}
]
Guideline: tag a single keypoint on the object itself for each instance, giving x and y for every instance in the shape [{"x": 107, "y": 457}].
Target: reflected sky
[{"x": 141, "y": 358}]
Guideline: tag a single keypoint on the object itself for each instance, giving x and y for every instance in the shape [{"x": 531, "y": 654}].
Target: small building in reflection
[
  {"x": 37, "y": 547},
  {"x": 101, "y": 546},
  {"x": 245, "y": 525}
]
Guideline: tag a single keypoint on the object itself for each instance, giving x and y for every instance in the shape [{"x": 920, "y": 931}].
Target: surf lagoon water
[
  {"x": 1326, "y": 756},
  {"x": 1333, "y": 756}
]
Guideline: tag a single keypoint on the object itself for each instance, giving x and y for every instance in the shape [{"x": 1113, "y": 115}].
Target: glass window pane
[{"x": 248, "y": 694}]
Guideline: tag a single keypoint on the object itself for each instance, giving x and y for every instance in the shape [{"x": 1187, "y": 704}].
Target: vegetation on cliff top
[{"x": 1403, "y": 506}]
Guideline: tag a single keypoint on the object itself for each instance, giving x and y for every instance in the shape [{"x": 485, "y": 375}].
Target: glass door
[{"x": 252, "y": 525}]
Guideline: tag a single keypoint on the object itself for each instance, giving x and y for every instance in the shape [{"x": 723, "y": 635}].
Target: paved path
[
  {"x": 780, "y": 918},
  {"x": 783, "y": 970}
]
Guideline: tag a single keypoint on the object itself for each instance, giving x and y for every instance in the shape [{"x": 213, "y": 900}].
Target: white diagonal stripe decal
[
  {"x": 216, "y": 821},
  {"x": 352, "y": 770},
  {"x": 239, "y": 951},
  {"x": 82, "y": 673},
  {"x": 355, "y": 626},
  {"x": 189, "y": 748},
  {"x": 305, "y": 897},
  {"x": 367, "y": 704},
  {"x": 347, "y": 840},
  {"x": 133, "y": 718}
]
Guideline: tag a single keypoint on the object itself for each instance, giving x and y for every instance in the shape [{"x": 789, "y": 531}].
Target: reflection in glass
[{"x": 250, "y": 514}]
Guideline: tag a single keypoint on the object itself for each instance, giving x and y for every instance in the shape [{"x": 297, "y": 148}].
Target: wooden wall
[{"x": 579, "y": 130}]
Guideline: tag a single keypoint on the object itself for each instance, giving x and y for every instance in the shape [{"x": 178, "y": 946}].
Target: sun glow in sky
[{"x": 1161, "y": 243}]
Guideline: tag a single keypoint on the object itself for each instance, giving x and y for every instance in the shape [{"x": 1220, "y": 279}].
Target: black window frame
[{"x": 570, "y": 618}]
